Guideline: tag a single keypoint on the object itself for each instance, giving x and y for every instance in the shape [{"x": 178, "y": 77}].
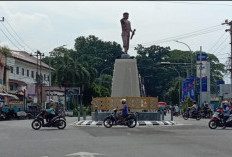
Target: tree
[
  {"x": 99, "y": 54},
  {"x": 155, "y": 79}
]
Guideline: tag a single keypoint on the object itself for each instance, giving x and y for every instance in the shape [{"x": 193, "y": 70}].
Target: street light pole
[
  {"x": 190, "y": 52},
  {"x": 200, "y": 77}
]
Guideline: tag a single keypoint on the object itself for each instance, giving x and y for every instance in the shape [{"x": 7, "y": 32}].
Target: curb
[{"x": 139, "y": 123}]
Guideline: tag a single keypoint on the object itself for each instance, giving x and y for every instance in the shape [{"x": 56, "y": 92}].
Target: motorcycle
[
  {"x": 217, "y": 120},
  {"x": 114, "y": 119},
  {"x": 206, "y": 113},
  {"x": 58, "y": 121},
  {"x": 8, "y": 115},
  {"x": 195, "y": 115}
]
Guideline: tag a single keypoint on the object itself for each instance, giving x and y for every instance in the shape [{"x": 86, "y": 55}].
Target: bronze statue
[{"x": 126, "y": 29}]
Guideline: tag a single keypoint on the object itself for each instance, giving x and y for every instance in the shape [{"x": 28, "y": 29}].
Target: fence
[{"x": 134, "y": 103}]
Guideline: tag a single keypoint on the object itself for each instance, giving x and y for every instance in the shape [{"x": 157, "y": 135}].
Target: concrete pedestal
[{"x": 125, "y": 81}]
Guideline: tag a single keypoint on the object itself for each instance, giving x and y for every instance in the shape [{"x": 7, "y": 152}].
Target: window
[
  {"x": 12, "y": 70},
  {"x": 48, "y": 78},
  {"x": 17, "y": 70},
  {"x": 44, "y": 76},
  {"x": 32, "y": 74},
  {"x": 11, "y": 87},
  {"x": 23, "y": 71},
  {"x": 27, "y": 73}
]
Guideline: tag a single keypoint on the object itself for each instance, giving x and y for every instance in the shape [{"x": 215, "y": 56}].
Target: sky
[{"x": 43, "y": 26}]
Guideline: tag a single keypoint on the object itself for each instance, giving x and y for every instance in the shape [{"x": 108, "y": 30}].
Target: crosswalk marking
[{"x": 139, "y": 123}]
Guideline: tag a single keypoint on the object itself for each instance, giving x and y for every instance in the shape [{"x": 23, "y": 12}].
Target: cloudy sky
[{"x": 46, "y": 25}]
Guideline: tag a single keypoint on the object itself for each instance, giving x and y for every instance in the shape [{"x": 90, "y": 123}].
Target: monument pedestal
[{"x": 125, "y": 81}]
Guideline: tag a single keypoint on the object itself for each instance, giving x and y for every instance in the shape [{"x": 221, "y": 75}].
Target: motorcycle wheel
[
  {"x": 198, "y": 117},
  {"x": 62, "y": 124},
  {"x": 185, "y": 116},
  {"x": 131, "y": 122},
  {"x": 36, "y": 124},
  {"x": 212, "y": 124},
  {"x": 108, "y": 123}
]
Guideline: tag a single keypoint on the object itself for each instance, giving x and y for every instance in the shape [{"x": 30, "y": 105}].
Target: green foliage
[
  {"x": 5, "y": 51},
  {"x": 75, "y": 112},
  {"x": 187, "y": 103}
]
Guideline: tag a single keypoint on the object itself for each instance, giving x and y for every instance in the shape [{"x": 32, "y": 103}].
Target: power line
[
  {"x": 191, "y": 33},
  {"x": 200, "y": 3},
  {"x": 9, "y": 39},
  {"x": 217, "y": 41},
  {"x": 18, "y": 35},
  {"x": 13, "y": 36},
  {"x": 183, "y": 37},
  {"x": 223, "y": 42}
]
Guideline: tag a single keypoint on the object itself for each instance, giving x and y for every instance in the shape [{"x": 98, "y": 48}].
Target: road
[{"x": 190, "y": 138}]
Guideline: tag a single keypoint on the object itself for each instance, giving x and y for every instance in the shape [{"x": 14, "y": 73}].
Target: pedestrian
[{"x": 176, "y": 110}]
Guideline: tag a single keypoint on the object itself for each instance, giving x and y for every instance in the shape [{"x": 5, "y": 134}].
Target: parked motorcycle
[
  {"x": 195, "y": 115},
  {"x": 58, "y": 121},
  {"x": 8, "y": 115},
  {"x": 114, "y": 119},
  {"x": 217, "y": 120}
]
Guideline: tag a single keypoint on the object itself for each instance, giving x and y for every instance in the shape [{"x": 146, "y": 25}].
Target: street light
[{"x": 190, "y": 52}]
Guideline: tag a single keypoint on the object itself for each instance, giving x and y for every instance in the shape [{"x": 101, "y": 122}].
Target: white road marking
[{"x": 84, "y": 154}]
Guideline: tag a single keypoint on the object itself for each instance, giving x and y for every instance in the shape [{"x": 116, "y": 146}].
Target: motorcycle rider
[
  {"x": 51, "y": 111},
  {"x": 194, "y": 109},
  {"x": 226, "y": 113},
  {"x": 124, "y": 110},
  {"x": 205, "y": 108}
]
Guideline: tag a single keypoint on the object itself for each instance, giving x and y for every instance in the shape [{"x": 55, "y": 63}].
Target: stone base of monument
[
  {"x": 125, "y": 81},
  {"x": 142, "y": 116}
]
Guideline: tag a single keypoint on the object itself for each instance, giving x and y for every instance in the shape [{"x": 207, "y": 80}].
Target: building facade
[{"x": 25, "y": 70}]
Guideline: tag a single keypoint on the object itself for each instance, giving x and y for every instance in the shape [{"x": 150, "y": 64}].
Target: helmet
[
  {"x": 51, "y": 100},
  {"x": 225, "y": 102},
  {"x": 123, "y": 101}
]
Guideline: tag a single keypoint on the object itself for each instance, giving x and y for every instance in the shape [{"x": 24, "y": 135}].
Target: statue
[{"x": 126, "y": 29}]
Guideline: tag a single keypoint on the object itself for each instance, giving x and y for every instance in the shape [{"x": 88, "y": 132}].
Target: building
[
  {"x": 23, "y": 69},
  {"x": 225, "y": 91},
  {"x": 2, "y": 72}
]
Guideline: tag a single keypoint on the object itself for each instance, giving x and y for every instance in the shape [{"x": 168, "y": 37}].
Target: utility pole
[
  {"x": 200, "y": 77},
  {"x": 230, "y": 68}
]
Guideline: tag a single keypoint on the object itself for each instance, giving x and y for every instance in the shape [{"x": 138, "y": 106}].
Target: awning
[
  {"x": 17, "y": 81},
  {"x": 10, "y": 95}
]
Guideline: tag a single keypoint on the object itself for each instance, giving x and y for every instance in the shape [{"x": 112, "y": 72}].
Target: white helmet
[
  {"x": 225, "y": 102},
  {"x": 123, "y": 101}
]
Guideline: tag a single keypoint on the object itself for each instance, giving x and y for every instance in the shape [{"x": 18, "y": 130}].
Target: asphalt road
[{"x": 190, "y": 138}]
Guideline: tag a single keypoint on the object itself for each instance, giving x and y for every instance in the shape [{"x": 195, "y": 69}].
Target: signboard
[
  {"x": 203, "y": 69},
  {"x": 203, "y": 84},
  {"x": 15, "y": 102},
  {"x": 73, "y": 91},
  {"x": 203, "y": 57},
  {"x": 188, "y": 89},
  {"x": 30, "y": 90}
]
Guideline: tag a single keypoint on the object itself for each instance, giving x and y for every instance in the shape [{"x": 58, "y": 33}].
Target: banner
[{"x": 188, "y": 89}]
